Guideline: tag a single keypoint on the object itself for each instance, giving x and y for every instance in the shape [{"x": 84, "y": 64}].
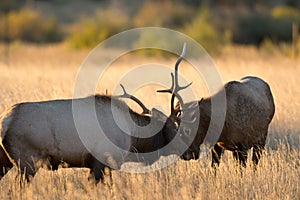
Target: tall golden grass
[{"x": 33, "y": 73}]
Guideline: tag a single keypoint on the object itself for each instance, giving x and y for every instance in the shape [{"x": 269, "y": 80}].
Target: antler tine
[
  {"x": 178, "y": 62},
  {"x": 175, "y": 88},
  {"x": 171, "y": 88},
  {"x": 126, "y": 95}
]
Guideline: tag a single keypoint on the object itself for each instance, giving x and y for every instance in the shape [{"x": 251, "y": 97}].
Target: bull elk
[
  {"x": 249, "y": 111},
  {"x": 35, "y": 134}
]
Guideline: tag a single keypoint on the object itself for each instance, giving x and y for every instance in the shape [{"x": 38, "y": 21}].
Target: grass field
[{"x": 32, "y": 73}]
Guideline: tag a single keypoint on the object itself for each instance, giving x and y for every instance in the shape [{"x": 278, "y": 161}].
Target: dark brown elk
[
  {"x": 44, "y": 133},
  {"x": 249, "y": 111},
  {"x": 36, "y": 134}
]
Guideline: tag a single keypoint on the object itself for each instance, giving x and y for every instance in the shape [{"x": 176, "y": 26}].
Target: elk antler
[
  {"x": 175, "y": 87},
  {"x": 129, "y": 96}
]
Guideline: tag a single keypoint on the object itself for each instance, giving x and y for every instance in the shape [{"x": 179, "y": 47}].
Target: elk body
[
  {"x": 44, "y": 133},
  {"x": 250, "y": 109}
]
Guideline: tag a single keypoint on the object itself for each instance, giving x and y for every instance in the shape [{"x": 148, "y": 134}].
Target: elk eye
[{"x": 187, "y": 131}]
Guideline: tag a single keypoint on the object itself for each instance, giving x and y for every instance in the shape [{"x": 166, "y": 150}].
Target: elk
[
  {"x": 249, "y": 111},
  {"x": 44, "y": 133},
  {"x": 37, "y": 134}
]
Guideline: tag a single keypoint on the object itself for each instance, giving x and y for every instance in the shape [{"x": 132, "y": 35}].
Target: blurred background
[{"x": 268, "y": 24}]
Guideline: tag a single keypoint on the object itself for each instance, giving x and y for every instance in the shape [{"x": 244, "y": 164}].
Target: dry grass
[{"x": 41, "y": 73}]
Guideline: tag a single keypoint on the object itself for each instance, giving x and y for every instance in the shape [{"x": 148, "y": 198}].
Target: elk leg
[
  {"x": 259, "y": 147},
  {"x": 5, "y": 163},
  {"x": 243, "y": 158},
  {"x": 29, "y": 165},
  {"x": 257, "y": 151},
  {"x": 27, "y": 168},
  {"x": 97, "y": 169},
  {"x": 216, "y": 155},
  {"x": 241, "y": 155}
]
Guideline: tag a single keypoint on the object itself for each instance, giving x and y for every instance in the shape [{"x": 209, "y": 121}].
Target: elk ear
[{"x": 159, "y": 115}]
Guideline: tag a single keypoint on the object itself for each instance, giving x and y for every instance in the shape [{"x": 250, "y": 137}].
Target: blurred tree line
[{"x": 212, "y": 23}]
